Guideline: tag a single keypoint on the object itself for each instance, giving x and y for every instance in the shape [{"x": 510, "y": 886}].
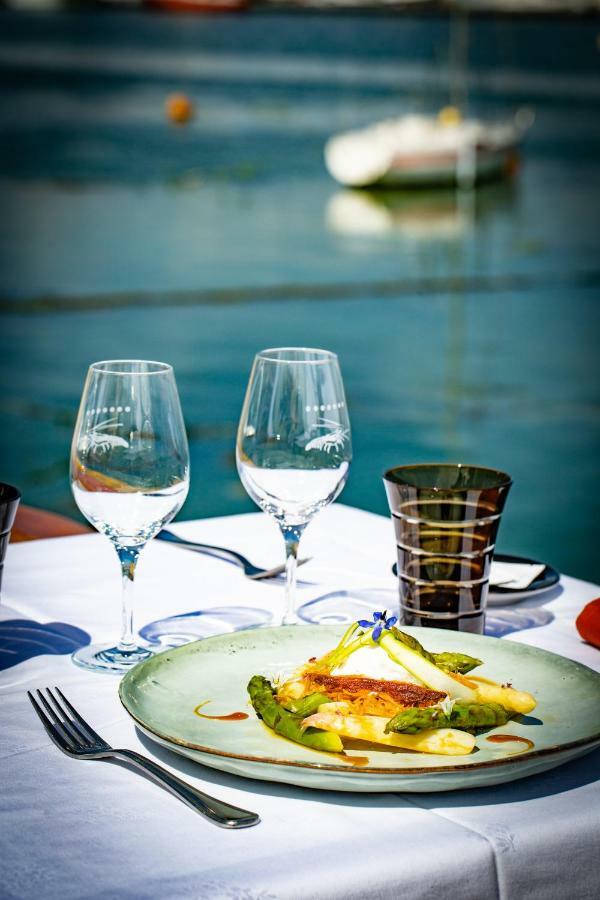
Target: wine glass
[
  {"x": 293, "y": 446},
  {"x": 129, "y": 475}
]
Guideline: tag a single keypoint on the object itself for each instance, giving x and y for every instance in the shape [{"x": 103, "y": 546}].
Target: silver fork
[
  {"x": 232, "y": 556},
  {"x": 71, "y": 734}
]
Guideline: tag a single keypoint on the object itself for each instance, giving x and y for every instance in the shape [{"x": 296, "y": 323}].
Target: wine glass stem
[
  {"x": 128, "y": 557},
  {"x": 291, "y": 535}
]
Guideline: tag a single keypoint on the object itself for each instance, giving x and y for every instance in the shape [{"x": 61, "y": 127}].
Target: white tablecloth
[{"x": 96, "y": 830}]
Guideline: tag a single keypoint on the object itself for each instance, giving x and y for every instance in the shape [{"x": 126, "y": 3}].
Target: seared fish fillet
[{"x": 369, "y": 696}]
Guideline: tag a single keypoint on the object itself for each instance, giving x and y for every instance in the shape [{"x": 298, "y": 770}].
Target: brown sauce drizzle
[
  {"x": 508, "y": 738},
  {"x": 230, "y": 717}
]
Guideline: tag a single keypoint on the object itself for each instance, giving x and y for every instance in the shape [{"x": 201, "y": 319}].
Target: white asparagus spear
[{"x": 446, "y": 741}]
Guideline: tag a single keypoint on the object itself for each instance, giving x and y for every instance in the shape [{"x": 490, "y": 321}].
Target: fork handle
[
  {"x": 209, "y": 549},
  {"x": 217, "y": 811}
]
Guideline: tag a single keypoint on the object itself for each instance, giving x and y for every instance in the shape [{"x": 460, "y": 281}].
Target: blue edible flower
[{"x": 378, "y": 623}]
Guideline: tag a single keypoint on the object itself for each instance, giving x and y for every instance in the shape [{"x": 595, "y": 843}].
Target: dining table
[{"x": 88, "y": 829}]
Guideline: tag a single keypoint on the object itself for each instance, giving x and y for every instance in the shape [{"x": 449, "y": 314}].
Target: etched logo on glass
[
  {"x": 100, "y": 436},
  {"x": 333, "y": 440}
]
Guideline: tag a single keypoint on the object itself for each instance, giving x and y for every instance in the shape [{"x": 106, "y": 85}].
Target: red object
[{"x": 588, "y": 623}]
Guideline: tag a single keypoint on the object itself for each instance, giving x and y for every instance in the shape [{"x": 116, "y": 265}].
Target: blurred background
[{"x": 165, "y": 196}]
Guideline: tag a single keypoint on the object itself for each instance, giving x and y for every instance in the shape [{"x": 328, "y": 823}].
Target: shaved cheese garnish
[{"x": 446, "y": 705}]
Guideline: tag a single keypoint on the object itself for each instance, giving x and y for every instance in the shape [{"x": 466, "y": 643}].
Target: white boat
[{"x": 420, "y": 150}]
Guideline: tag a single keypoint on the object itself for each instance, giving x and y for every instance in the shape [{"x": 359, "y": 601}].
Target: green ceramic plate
[{"x": 162, "y": 693}]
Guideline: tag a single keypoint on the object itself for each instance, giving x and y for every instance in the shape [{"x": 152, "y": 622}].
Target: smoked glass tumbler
[
  {"x": 446, "y": 518},
  {"x": 9, "y": 501}
]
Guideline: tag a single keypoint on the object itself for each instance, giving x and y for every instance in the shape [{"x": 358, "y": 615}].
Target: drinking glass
[
  {"x": 293, "y": 445},
  {"x": 9, "y": 501},
  {"x": 129, "y": 475},
  {"x": 446, "y": 519}
]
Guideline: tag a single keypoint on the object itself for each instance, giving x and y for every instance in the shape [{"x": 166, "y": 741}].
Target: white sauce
[{"x": 373, "y": 662}]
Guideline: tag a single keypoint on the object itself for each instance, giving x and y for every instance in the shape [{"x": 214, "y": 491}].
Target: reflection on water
[
  {"x": 414, "y": 218},
  {"x": 416, "y": 215}
]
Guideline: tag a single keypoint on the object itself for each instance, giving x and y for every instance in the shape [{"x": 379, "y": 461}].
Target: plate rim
[{"x": 520, "y": 756}]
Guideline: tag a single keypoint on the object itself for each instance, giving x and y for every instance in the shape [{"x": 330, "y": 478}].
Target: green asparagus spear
[
  {"x": 456, "y": 662},
  {"x": 465, "y": 716},
  {"x": 286, "y": 723},
  {"x": 308, "y": 705},
  {"x": 449, "y": 662},
  {"x": 412, "y": 644}
]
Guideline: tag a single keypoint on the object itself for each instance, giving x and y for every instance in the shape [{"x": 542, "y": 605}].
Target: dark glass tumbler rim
[
  {"x": 8, "y": 493},
  {"x": 498, "y": 478}
]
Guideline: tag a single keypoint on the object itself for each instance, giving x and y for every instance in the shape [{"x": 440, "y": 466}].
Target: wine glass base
[{"x": 109, "y": 658}]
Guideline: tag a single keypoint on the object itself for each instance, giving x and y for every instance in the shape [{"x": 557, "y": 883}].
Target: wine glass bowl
[
  {"x": 294, "y": 445},
  {"x": 129, "y": 474}
]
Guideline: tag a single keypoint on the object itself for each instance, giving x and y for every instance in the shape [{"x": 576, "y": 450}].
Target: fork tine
[
  {"x": 58, "y": 723},
  {"x": 51, "y": 729},
  {"x": 79, "y": 720},
  {"x": 80, "y": 737},
  {"x": 54, "y": 718}
]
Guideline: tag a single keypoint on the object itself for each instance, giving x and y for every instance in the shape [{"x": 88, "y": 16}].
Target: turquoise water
[{"x": 466, "y": 325}]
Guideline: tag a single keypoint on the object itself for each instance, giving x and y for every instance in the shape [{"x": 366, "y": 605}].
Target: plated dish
[
  {"x": 194, "y": 700},
  {"x": 379, "y": 685}
]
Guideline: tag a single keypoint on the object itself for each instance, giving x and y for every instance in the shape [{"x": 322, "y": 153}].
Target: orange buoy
[{"x": 179, "y": 109}]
